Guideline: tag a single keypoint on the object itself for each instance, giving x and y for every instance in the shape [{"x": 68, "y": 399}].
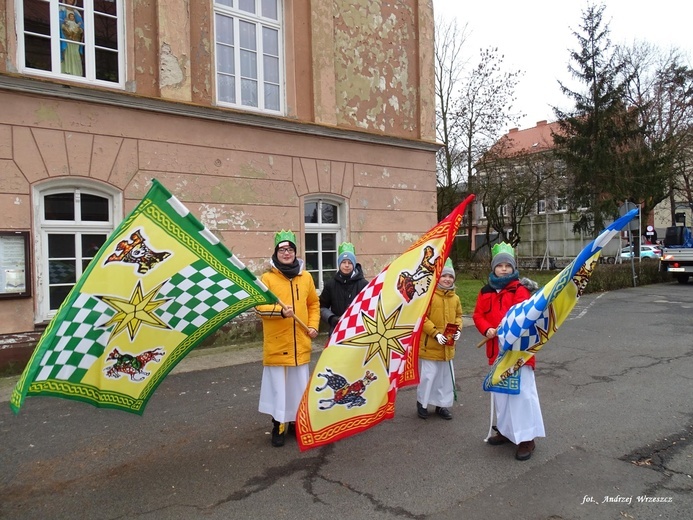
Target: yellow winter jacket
[
  {"x": 285, "y": 342},
  {"x": 445, "y": 308}
]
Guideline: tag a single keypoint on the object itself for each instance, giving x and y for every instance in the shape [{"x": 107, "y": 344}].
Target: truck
[{"x": 677, "y": 255}]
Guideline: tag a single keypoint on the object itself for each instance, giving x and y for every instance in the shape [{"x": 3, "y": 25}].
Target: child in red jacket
[{"x": 519, "y": 418}]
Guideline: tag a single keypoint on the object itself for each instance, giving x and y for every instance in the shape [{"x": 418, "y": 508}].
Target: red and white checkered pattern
[
  {"x": 351, "y": 323},
  {"x": 366, "y": 301}
]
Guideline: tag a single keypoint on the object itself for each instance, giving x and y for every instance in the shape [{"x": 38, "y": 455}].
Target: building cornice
[{"x": 30, "y": 86}]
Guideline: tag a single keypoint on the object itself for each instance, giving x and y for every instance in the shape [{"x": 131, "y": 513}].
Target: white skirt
[
  {"x": 436, "y": 383},
  {"x": 519, "y": 416},
  {"x": 281, "y": 391}
]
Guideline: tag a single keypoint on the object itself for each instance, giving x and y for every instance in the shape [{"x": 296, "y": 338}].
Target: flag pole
[{"x": 296, "y": 318}]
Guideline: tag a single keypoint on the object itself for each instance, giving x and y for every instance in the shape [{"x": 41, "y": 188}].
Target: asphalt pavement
[{"x": 615, "y": 387}]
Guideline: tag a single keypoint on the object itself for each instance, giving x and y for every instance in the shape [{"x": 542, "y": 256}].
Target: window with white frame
[
  {"x": 80, "y": 40},
  {"x": 249, "y": 54},
  {"x": 561, "y": 203},
  {"x": 323, "y": 224},
  {"x": 73, "y": 222},
  {"x": 541, "y": 206}
]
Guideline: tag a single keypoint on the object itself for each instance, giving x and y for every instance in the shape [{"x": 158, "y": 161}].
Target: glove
[
  {"x": 457, "y": 335},
  {"x": 441, "y": 339},
  {"x": 332, "y": 320}
]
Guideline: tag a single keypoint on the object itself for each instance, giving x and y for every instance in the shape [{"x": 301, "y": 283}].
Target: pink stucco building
[{"x": 311, "y": 115}]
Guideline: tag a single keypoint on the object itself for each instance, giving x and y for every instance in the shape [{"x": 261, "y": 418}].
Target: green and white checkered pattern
[
  {"x": 198, "y": 294},
  {"x": 80, "y": 341}
]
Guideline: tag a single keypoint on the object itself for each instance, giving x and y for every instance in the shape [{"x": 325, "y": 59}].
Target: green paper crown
[
  {"x": 283, "y": 236},
  {"x": 448, "y": 263},
  {"x": 503, "y": 247},
  {"x": 346, "y": 247}
]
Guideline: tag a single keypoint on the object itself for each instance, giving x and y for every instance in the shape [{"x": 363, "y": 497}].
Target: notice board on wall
[{"x": 14, "y": 264}]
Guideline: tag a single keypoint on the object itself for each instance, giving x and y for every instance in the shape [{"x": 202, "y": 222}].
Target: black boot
[
  {"x": 443, "y": 412},
  {"x": 278, "y": 434},
  {"x": 421, "y": 411}
]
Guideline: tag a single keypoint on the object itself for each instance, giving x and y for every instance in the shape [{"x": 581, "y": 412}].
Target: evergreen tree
[{"x": 601, "y": 139}]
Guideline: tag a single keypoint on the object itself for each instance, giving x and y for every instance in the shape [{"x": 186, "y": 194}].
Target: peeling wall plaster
[
  {"x": 216, "y": 218},
  {"x": 375, "y": 64},
  {"x": 172, "y": 73},
  {"x": 407, "y": 238}
]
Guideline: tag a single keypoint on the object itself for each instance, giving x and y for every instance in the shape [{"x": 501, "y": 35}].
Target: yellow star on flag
[
  {"x": 382, "y": 336},
  {"x": 132, "y": 313}
]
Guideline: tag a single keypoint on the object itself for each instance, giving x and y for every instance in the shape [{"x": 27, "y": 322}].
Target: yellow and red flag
[{"x": 373, "y": 350}]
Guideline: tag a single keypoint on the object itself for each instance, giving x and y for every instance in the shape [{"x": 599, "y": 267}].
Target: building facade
[{"x": 259, "y": 115}]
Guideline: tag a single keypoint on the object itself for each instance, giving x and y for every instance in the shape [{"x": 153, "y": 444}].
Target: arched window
[
  {"x": 324, "y": 219},
  {"x": 73, "y": 220}
]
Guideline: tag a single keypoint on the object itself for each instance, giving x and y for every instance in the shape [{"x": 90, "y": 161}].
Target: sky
[{"x": 536, "y": 37}]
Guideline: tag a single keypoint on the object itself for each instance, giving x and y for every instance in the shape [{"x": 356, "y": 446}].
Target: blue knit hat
[{"x": 346, "y": 252}]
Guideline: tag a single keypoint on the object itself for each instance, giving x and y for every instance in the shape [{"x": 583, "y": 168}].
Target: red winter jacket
[{"x": 491, "y": 307}]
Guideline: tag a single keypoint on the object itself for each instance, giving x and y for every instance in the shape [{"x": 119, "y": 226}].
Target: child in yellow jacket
[
  {"x": 441, "y": 329},
  {"x": 286, "y": 346}
]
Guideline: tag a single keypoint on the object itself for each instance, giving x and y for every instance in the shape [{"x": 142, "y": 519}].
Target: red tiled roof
[{"x": 530, "y": 140}]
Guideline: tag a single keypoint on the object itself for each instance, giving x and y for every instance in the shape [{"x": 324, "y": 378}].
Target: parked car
[{"x": 646, "y": 251}]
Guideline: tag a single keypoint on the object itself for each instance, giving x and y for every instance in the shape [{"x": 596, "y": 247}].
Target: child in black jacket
[{"x": 341, "y": 290}]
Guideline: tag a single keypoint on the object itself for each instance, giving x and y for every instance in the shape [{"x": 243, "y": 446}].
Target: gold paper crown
[
  {"x": 283, "y": 236},
  {"x": 344, "y": 247},
  {"x": 503, "y": 247}
]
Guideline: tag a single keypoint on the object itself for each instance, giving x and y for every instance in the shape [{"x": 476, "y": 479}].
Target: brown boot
[
  {"x": 524, "y": 450},
  {"x": 498, "y": 438}
]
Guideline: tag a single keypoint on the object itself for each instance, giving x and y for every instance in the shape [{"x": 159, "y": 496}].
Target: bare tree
[
  {"x": 474, "y": 105},
  {"x": 449, "y": 68},
  {"x": 660, "y": 85},
  {"x": 512, "y": 184},
  {"x": 487, "y": 97}
]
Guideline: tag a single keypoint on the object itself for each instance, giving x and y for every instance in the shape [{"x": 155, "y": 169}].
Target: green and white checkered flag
[{"x": 160, "y": 284}]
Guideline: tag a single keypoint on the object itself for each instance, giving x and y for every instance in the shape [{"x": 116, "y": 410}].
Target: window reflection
[
  {"x": 329, "y": 213},
  {"x": 60, "y": 206},
  {"x": 94, "y": 208},
  {"x": 71, "y": 38},
  {"x": 310, "y": 213}
]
